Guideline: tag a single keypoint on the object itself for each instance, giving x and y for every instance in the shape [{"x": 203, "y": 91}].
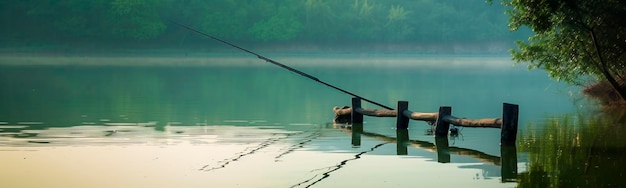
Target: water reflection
[
  {"x": 509, "y": 163},
  {"x": 68, "y": 96},
  {"x": 251, "y": 143},
  {"x": 327, "y": 171},
  {"x": 244, "y": 120},
  {"x": 575, "y": 151},
  {"x": 403, "y": 140},
  {"x": 357, "y": 130},
  {"x": 507, "y": 160},
  {"x": 443, "y": 149}
]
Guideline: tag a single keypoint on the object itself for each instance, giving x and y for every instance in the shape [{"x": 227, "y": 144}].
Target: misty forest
[{"x": 256, "y": 21}]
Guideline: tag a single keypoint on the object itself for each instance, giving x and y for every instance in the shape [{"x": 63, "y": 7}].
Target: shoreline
[
  {"x": 208, "y": 53},
  {"x": 208, "y": 46},
  {"x": 246, "y": 60}
]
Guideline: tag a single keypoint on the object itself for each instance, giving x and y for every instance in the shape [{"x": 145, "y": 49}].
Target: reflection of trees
[
  {"x": 571, "y": 152},
  {"x": 70, "y": 96}
]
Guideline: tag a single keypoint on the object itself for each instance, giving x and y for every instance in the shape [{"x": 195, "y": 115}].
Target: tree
[
  {"x": 70, "y": 19},
  {"x": 227, "y": 19},
  {"x": 397, "y": 26},
  {"x": 282, "y": 25},
  {"x": 365, "y": 19},
  {"x": 277, "y": 28},
  {"x": 573, "y": 39},
  {"x": 137, "y": 19},
  {"x": 321, "y": 20}
]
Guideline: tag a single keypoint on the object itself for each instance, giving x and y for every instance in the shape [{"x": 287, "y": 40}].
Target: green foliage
[
  {"x": 277, "y": 28},
  {"x": 319, "y": 17},
  {"x": 574, "y": 39},
  {"x": 363, "y": 8},
  {"x": 136, "y": 19},
  {"x": 363, "y": 18},
  {"x": 397, "y": 25},
  {"x": 69, "y": 18},
  {"x": 92, "y": 20},
  {"x": 397, "y": 13},
  {"x": 562, "y": 55},
  {"x": 279, "y": 25},
  {"x": 259, "y": 20},
  {"x": 225, "y": 24}
]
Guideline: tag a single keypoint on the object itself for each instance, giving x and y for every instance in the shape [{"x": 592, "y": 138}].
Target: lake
[{"x": 224, "y": 120}]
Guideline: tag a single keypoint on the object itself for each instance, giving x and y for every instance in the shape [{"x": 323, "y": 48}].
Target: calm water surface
[{"x": 239, "y": 122}]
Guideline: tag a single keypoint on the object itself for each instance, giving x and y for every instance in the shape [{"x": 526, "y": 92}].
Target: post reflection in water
[
  {"x": 357, "y": 129},
  {"x": 443, "y": 153},
  {"x": 403, "y": 139},
  {"x": 509, "y": 163},
  {"x": 507, "y": 160}
]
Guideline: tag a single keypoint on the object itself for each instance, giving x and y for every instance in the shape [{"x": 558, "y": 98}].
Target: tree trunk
[{"x": 605, "y": 70}]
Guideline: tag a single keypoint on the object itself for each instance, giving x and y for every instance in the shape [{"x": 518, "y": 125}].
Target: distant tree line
[{"x": 257, "y": 20}]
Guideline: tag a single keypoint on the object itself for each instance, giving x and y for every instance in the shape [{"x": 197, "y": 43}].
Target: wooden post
[
  {"x": 442, "y": 125},
  {"x": 402, "y": 122},
  {"x": 508, "y": 134},
  {"x": 443, "y": 153},
  {"x": 356, "y": 116},
  {"x": 402, "y": 136}
]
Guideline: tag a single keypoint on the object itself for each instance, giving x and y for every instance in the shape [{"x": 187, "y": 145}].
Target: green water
[
  {"x": 66, "y": 95},
  {"x": 119, "y": 104}
]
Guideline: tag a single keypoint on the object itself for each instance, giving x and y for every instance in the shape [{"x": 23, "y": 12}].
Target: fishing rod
[{"x": 280, "y": 64}]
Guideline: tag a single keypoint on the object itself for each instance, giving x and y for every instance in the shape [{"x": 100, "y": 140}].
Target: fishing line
[{"x": 280, "y": 65}]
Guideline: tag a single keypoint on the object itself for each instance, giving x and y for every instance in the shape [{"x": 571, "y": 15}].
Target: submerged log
[
  {"x": 342, "y": 118},
  {"x": 421, "y": 116},
  {"x": 386, "y": 113},
  {"x": 366, "y": 111},
  {"x": 464, "y": 122}
]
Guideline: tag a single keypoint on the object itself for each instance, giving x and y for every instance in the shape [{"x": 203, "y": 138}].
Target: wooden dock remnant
[
  {"x": 442, "y": 119},
  {"x": 510, "y": 113}
]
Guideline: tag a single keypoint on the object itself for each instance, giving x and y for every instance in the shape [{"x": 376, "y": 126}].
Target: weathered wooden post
[
  {"x": 356, "y": 116},
  {"x": 402, "y": 122},
  {"x": 441, "y": 144},
  {"x": 508, "y": 134},
  {"x": 443, "y": 126},
  {"x": 401, "y": 142}
]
